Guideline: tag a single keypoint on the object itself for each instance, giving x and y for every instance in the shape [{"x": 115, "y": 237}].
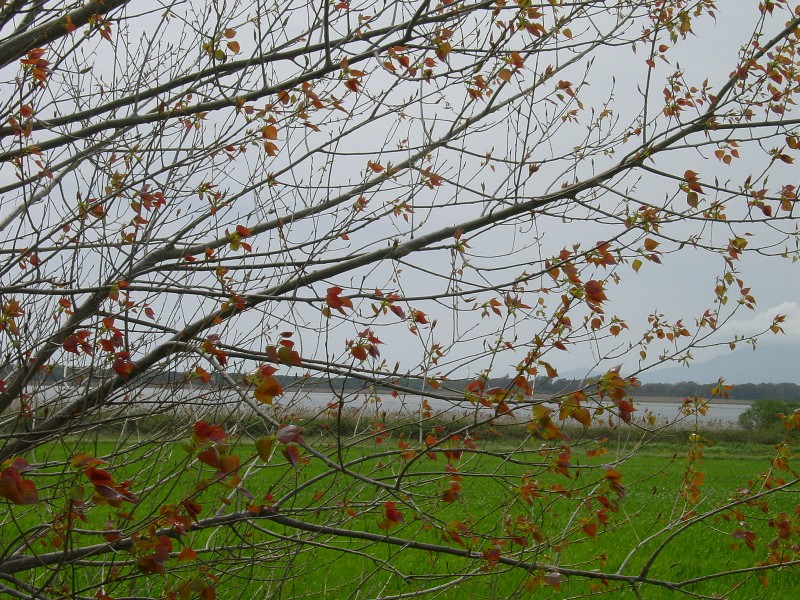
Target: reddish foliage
[
  {"x": 37, "y": 64},
  {"x": 392, "y": 517},
  {"x": 122, "y": 365},
  {"x": 267, "y": 389},
  {"x": 16, "y": 489},
  {"x": 334, "y": 300},
  {"x": 292, "y": 454},
  {"x": 289, "y": 434},
  {"x": 78, "y": 341},
  {"x": 203, "y": 432},
  {"x": 594, "y": 292}
]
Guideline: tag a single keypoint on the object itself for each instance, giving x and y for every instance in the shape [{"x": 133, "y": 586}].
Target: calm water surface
[{"x": 201, "y": 399}]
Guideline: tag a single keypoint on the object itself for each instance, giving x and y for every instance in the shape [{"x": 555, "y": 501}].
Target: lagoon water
[
  {"x": 720, "y": 413},
  {"x": 200, "y": 400}
]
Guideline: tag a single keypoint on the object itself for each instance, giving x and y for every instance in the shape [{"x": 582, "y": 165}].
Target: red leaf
[
  {"x": 334, "y": 300},
  {"x": 150, "y": 566},
  {"x": 392, "y": 517},
  {"x": 193, "y": 508},
  {"x": 108, "y": 494},
  {"x": 208, "y": 593},
  {"x": 292, "y": 454},
  {"x": 16, "y": 489},
  {"x": 99, "y": 477},
  {"x": 452, "y": 493},
  {"x": 204, "y": 432},
  {"x": 105, "y": 33},
  {"x": 267, "y": 370},
  {"x": 594, "y": 292},
  {"x": 122, "y": 366},
  {"x": 187, "y": 554},
  {"x": 78, "y": 341},
  {"x": 210, "y": 457},
  {"x": 359, "y": 352},
  {"x": 290, "y": 433}
]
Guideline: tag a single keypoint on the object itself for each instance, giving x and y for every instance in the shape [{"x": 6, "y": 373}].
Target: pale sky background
[{"x": 680, "y": 288}]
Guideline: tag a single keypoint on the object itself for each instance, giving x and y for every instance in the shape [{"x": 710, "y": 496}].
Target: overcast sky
[{"x": 680, "y": 288}]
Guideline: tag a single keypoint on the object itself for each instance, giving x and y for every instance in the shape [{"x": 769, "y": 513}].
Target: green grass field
[
  {"x": 264, "y": 559},
  {"x": 651, "y": 503}
]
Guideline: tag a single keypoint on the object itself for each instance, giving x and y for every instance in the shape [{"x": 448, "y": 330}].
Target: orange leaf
[
  {"x": 203, "y": 375},
  {"x": 359, "y": 352},
  {"x": 228, "y": 464},
  {"x": 269, "y": 132},
  {"x": 582, "y": 416},
  {"x": 594, "y": 292},
  {"x": 83, "y": 460},
  {"x": 270, "y": 148},
  {"x": 267, "y": 389},
  {"x": 334, "y": 300},
  {"x": 187, "y": 554},
  {"x": 16, "y": 489}
]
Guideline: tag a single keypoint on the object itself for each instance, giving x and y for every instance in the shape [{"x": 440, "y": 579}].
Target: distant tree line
[{"x": 746, "y": 391}]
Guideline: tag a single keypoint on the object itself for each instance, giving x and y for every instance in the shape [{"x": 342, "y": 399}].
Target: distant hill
[
  {"x": 773, "y": 363},
  {"x": 769, "y": 363}
]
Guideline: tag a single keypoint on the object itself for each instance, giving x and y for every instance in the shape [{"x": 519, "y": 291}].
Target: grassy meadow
[{"x": 264, "y": 559}]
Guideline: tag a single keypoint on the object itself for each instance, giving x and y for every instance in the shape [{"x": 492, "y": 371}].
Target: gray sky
[{"x": 483, "y": 171}]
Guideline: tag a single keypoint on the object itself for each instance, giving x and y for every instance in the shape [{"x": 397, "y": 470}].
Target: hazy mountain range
[
  {"x": 769, "y": 363},
  {"x": 773, "y": 363}
]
